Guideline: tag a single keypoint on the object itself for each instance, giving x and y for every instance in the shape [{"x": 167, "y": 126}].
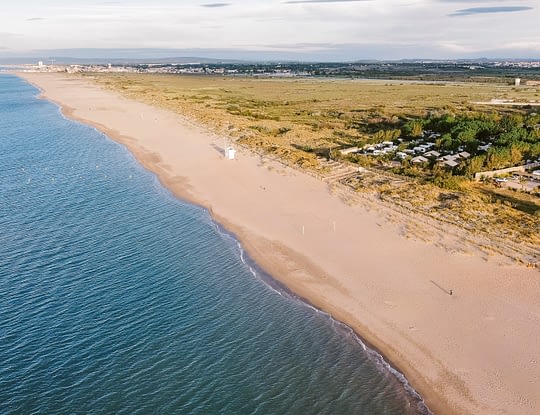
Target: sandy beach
[{"x": 476, "y": 351}]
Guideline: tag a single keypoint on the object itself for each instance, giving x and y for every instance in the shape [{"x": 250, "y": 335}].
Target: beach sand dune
[{"x": 475, "y": 352}]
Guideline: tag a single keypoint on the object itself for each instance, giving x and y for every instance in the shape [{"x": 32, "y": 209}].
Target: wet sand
[{"x": 472, "y": 352}]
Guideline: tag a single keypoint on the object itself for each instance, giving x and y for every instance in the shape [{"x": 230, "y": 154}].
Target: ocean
[{"x": 118, "y": 298}]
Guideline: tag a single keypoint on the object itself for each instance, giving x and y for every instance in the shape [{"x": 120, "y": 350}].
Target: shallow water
[{"x": 115, "y": 297}]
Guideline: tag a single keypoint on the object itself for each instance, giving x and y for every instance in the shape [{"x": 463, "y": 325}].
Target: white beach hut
[{"x": 230, "y": 153}]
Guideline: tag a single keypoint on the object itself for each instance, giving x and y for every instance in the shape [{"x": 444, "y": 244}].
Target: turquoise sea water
[{"x": 115, "y": 297}]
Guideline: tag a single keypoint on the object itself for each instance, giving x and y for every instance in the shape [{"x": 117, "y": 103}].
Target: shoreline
[
  {"x": 326, "y": 283},
  {"x": 372, "y": 352}
]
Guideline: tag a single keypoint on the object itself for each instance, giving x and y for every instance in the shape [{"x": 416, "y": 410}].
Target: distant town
[{"x": 504, "y": 71}]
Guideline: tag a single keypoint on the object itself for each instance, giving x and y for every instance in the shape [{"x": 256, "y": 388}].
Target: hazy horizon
[{"x": 66, "y": 56}]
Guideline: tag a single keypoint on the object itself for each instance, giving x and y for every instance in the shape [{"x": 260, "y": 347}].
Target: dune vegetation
[{"x": 305, "y": 122}]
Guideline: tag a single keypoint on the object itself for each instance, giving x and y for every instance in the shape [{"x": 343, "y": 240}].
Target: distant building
[
  {"x": 432, "y": 153},
  {"x": 230, "y": 153},
  {"x": 450, "y": 163},
  {"x": 517, "y": 81},
  {"x": 40, "y": 64},
  {"x": 349, "y": 150},
  {"x": 484, "y": 147},
  {"x": 419, "y": 160}
]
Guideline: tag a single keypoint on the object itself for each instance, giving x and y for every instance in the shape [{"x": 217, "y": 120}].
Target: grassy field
[
  {"x": 287, "y": 116},
  {"x": 300, "y": 120}
]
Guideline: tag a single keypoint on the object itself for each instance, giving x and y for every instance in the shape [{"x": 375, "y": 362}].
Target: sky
[{"x": 328, "y": 30}]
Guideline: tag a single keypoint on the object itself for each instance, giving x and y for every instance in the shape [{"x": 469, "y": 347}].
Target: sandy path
[{"x": 474, "y": 352}]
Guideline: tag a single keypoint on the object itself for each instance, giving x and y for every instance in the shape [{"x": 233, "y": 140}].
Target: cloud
[
  {"x": 216, "y": 5},
  {"x": 477, "y": 1},
  {"x": 8, "y": 34},
  {"x": 320, "y": 29},
  {"x": 321, "y": 1},
  {"x": 488, "y": 10}
]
